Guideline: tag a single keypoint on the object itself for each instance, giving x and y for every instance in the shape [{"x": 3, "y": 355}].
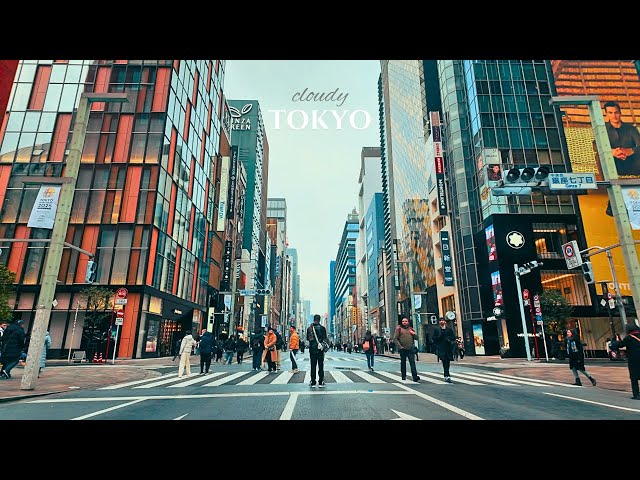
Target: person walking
[
  {"x": 270, "y": 352},
  {"x": 229, "y": 348},
  {"x": 207, "y": 345},
  {"x": 442, "y": 340},
  {"x": 186, "y": 344},
  {"x": 575, "y": 350},
  {"x": 316, "y": 334},
  {"x": 12, "y": 347},
  {"x": 369, "y": 347},
  {"x": 294, "y": 343},
  {"x": 279, "y": 347},
  {"x": 241, "y": 346},
  {"x": 403, "y": 338},
  {"x": 632, "y": 342},
  {"x": 257, "y": 346},
  {"x": 45, "y": 348}
]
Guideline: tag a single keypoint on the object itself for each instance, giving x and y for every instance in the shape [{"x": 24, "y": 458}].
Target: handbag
[
  {"x": 365, "y": 346},
  {"x": 324, "y": 346}
]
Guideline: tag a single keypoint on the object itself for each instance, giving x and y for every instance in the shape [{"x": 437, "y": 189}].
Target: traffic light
[
  {"x": 532, "y": 264},
  {"x": 263, "y": 291},
  {"x": 587, "y": 271},
  {"x": 528, "y": 176},
  {"x": 90, "y": 276}
]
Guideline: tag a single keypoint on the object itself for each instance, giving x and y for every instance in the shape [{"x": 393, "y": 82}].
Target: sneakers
[
  {"x": 202, "y": 373},
  {"x": 371, "y": 368},
  {"x": 448, "y": 379},
  {"x": 417, "y": 379},
  {"x": 295, "y": 370},
  {"x": 321, "y": 385},
  {"x": 635, "y": 397},
  {"x": 593, "y": 381},
  {"x": 312, "y": 384}
]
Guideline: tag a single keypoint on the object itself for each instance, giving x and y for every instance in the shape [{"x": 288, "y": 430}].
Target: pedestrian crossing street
[{"x": 216, "y": 379}]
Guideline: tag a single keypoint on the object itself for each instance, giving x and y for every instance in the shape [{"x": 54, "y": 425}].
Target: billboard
[
  {"x": 490, "y": 235},
  {"x": 478, "y": 339},
  {"x": 617, "y": 85},
  {"x": 496, "y": 285}
]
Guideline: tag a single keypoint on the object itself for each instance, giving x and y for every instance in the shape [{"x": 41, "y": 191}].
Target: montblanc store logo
[{"x": 237, "y": 122}]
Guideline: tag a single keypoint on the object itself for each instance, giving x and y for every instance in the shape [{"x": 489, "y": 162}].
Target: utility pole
[
  {"x": 60, "y": 225},
  {"x": 520, "y": 302}
]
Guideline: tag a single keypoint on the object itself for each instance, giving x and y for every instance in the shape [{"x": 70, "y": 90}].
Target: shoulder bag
[{"x": 324, "y": 346}]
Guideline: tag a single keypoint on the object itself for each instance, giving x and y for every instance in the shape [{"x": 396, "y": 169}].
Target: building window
[
  {"x": 570, "y": 285},
  {"x": 549, "y": 238}
]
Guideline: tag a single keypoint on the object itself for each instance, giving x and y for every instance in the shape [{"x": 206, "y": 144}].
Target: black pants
[
  {"x": 317, "y": 359},
  {"x": 445, "y": 364},
  {"x": 239, "y": 355},
  {"x": 292, "y": 356},
  {"x": 205, "y": 362},
  {"x": 271, "y": 363},
  {"x": 404, "y": 355},
  {"x": 634, "y": 381}
]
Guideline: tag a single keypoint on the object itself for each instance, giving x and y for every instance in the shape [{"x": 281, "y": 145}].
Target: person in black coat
[
  {"x": 241, "y": 346},
  {"x": 442, "y": 338},
  {"x": 257, "y": 346},
  {"x": 575, "y": 350},
  {"x": 632, "y": 342},
  {"x": 206, "y": 346},
  {"x": 12, "y": 347}
]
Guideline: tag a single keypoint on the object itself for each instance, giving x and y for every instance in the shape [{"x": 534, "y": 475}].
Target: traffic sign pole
[
  {"x": 536, "y": 300},
  {"x": 115, "y": 345}
]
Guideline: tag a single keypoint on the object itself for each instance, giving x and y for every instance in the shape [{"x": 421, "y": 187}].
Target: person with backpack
[
  {"x": 257, "y": 346},
  {"x": 241, "y": 346},
  {"x": 229, "y": 348},
  {"x": 369, "y": 347},
  {"x": 632, "y": 342}
]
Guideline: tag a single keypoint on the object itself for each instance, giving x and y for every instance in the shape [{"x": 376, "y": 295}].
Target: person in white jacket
[{"x": 186, "y": 345}]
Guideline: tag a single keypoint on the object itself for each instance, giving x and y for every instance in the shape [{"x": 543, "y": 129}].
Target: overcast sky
[{"x": 315, "y": 170}]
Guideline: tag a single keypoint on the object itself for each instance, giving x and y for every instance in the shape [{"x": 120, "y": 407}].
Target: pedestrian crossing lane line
[
  {"x": 340, "y": 377},
  {"x": 537, "y": 380},
  {"x": 397, "y": 378},
  {"x": 494, "y": 381},
  {"x": 253, "y": 379},
  {"x": 520, "y": 381},
  {"x": 456, "y": 379},
  {"x": 224, "y": 380},
  {"x": 282, "y": 379},
  {"x": 163, "y": 381},
  {"x": 198, "y": 379},
  {"x": 307, "y": 376},
  {"x": 136, "y": 382},
  {"x": 367, "y": 377}
]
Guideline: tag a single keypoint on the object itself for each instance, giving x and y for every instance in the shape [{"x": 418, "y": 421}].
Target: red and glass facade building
[{"x": 146, "y": 200}]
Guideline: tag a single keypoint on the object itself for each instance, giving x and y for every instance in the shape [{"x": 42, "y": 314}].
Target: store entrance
[{"x": 166, "y": 337}]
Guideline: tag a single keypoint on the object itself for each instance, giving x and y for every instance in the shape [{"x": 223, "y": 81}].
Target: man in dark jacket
[
  {"x": 442, "y": 340},
  {"x": 316, "y": 354},
  {"x": 12, "y": 347},
  {"x": 632, "y": 342},
  {"x": 403, "y": 338},
  {"x": 257, "y": 346},
  {"x": 206, "y": 346}
]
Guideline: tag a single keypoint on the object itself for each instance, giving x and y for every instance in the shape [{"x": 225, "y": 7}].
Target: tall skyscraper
[
  {"x": 374, "y": 237},
  {"x": 277, "y": 231},
  {"x": 146, "y": 199},
  {"x": 331, "y": 300},
  {"x": 295, "y": 280},
  {"x": 345, "y": 281}
]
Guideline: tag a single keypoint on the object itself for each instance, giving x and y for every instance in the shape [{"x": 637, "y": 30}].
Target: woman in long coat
[
  {"x": 271, "y": 355},
  {"x": 632, "y": 342},
  {"x": 575, "y": 350}
]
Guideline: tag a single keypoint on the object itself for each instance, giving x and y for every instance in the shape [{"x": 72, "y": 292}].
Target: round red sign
[
  {"x": 122, "y": 293},
  {"x": 525, "y": 294},
  {"x": 120, "y": 314}
]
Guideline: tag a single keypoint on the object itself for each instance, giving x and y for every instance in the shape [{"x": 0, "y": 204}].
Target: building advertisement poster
[
  {"x": 43, "y": 213},
  {"x": 478, "y": 339},
  {"x": 617, "y": 85},
  {"x": 447, "y": 270},
  {"x": 490, "y": 235},
  {"x": 233, "y": 175},
  {"x": 631, "y": 197},
  {"x": 497, "y": 289},
  {"x": 224, "y": 188}
]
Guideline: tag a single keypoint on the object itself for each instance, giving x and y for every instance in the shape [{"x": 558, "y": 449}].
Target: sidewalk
[{"x": 60, "y": 376}]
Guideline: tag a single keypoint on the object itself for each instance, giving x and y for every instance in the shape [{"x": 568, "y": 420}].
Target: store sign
[
  {"x": 224, "y": 187},
  {"x": 233, "y": 175},
  {"x": 43, "y": 213},
  {"x": 225, "y": 281},
  {"x": 238, "y": 121},
  {"x": 447, "y": 268}
]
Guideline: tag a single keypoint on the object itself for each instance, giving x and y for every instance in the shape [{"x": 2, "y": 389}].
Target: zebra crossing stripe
[
  {"x": 255, "y": 378},
  {"x": 522, "y": 381},
  {"x": 226, "y": 379},
  {"x": 307, "y": 377},
  {"x": 282, "y": 379},
  {"x": 537, "y": 380},
  {"x": 198, "y": 379},
  {"x": 479, "y": 377},
  {"x": 340, "y": 377},
  {"x": 456, "y": 379},
  {"x": 397, "y": 378},
  {"x": 368, "y": 377},
  {"x": 163, "y": 381},
  {"x": 136, "y": 382}
]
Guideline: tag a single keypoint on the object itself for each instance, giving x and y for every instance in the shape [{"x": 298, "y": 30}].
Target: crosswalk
[{"x": 474, "y": 377}]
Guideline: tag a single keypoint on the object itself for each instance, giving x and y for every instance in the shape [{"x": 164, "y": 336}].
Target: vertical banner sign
[
  {"x": 439, "y": 162},
  {"x": 44, "y": 209},
  {"x": 233, "y": 173},
  {"x": 631, "y": 197},
  {"x": 225, "y": 281},
  {"x": 446, "y": 259},
  {"x": 224, "y": 187},
  {"x": 396, "y": 275}
]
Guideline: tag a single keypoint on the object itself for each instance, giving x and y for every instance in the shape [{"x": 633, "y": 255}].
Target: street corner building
[{"x": 146, "y": 204}]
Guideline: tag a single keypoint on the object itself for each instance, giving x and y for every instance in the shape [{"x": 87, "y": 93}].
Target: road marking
[
  {"x": 136, "y": 382},
  {"x": 224, "y": 380},
  {"x": 457, "y": 380},
  {"x": 397, "y": 378},
  {"x": 594, "y": 403},
  {"x": 282, "y": 379},
  {"x": 546, "y": 382},
  {"x": 254, "y": 378},
  {"x": 199, "y": 379},
  {"x": 366, "y": 376},
  {"x": 524, "y": 381},
  {"x": 287, "y": 413},
  {"x": 100, "y": 412},
  {"x": 307, "y": 377},
  {"x": 403, "y": 416},
  {"x": 487, "y": 380},
  {"x": 164, "y": 380},
  {"x": 340, "y": 377},
  {"x": 181, "y": 416},
  {"x": 448, "y": 406}
]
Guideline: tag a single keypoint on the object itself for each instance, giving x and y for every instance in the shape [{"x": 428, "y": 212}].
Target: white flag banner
[
  {"x": 417, "y": 301},
  {"x": 631, "y": 197},
  {"x": 44, "y": 209},
  {"x": 227, "y": 301}
]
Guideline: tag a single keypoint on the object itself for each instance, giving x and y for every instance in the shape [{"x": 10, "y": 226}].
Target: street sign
[
  {"x": 536, "y": 300},
  {"x": 572, "y": 181},
  {"x": 247, "y": 293},
  {"x": 525, "y": 294},
  {"x": 497, "y": 311},
  {"x": 540, "y": 322},
  {"x": 354, "y": 328},
  {"x": 121, "y": 301},
  {"x": 603, "y": 302},
  {"x": 122, "y": 293},
  {"x": 571, "y": 254},
  {"x": 527, "y": 302},
  {"x": 386, "y": 330},
  {"x": 612, "y": 303},
  {"x": 119, "y": 317}
]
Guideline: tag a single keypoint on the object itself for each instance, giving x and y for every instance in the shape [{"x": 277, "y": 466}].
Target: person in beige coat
[{"x": 186, "y": 345}]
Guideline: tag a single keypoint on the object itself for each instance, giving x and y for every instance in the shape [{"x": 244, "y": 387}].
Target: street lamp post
[
  {"x": 614, "y": 189},
  {"x": 60, "y": 225},
  {"x": 519, "y": 271}
]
